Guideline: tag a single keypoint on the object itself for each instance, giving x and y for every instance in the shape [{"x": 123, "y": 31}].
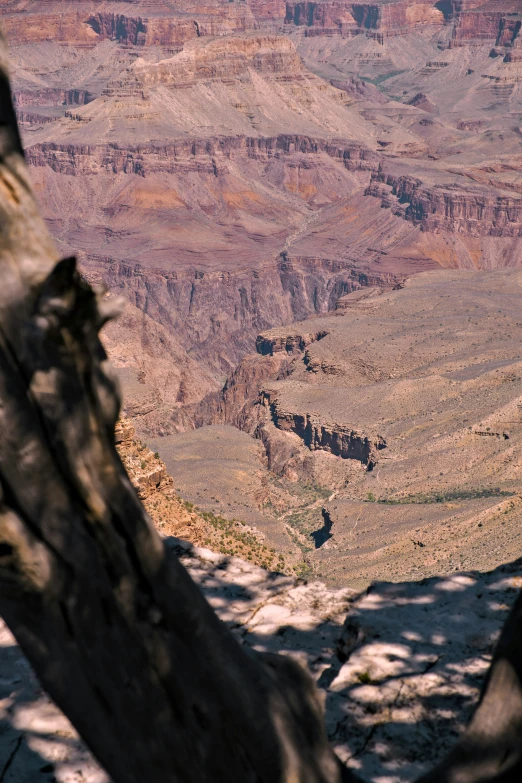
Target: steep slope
[
  {"x": 157, "y": 376},
  {"x": 175, "y": 517}
]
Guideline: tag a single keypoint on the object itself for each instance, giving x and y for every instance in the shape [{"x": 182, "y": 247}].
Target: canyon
[
  {"x": 277, "y": 177},
  {"x": 230, "y": 167},
  {"x": 309, "y": 215},
  {"x": 394, "y": 423}
]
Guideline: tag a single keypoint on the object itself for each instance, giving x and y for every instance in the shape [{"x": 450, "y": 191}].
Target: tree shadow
[
  {"x": 401, "y": 664},
  {"x": 37, "y": 743},
  {"x": 402, "y": 669}
]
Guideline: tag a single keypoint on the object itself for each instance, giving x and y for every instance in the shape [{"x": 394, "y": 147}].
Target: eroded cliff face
[
  {"x": 169, "y": 32},
  {"x": 492, "y": 22},
  {"x": 159, "y": 25},
  {"x": 374, "y": 19},
  {"x": 218, "y": 315},
  {"x": 456, "y": 209},
  {"x": 320, "y": 435},
  {"x": 200, "y": 155},
  {"x": 149, "y": 26},
  {"x": 268, "y": 344},
  {"x": 159, "y": 379},
  {"x": 406, "y": 409}
]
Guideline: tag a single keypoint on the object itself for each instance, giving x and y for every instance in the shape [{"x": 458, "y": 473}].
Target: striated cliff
[
  {"x": 248, "y": 181},
  {"x": 149, "y": 25},
  {"x": 156, "y": 24},
  {"x": 377, "y": 19},
  {"x": 493, "y": 22},
  {"x": 333, "y": 438},
  {"x": 200, "y": 155},
  {"x": 472, "y": 211},
  {"x": 157, "y": 375}
]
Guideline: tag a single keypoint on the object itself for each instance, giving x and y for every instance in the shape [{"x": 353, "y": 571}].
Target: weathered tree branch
[{"x": 116, "y": 630}]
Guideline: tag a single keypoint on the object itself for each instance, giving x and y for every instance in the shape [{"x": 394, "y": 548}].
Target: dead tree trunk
[{"x": 116, "y": 630}]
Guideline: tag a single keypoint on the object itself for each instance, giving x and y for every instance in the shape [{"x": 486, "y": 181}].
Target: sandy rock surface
[{"x": 401, "y": 665}]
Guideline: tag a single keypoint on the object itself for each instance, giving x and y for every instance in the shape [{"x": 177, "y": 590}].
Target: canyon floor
[{"x": 386, "y": 436}]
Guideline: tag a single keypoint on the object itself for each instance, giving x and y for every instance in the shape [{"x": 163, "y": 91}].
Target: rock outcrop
[
  {"x": 471, "y": 211},
  {"x": 203, "y": 156},
  {"x": 316, "y": 434},
  {"x": 268, "y": 345},
  {"x": 146, "y": 26}
]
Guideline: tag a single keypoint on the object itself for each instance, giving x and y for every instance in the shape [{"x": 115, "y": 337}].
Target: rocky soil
[{"x": 401, "y": 664}]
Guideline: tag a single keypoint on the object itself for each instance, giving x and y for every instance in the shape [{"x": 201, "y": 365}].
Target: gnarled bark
[{"x": 116, "y": 630}]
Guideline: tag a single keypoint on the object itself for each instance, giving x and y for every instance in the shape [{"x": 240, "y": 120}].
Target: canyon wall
[
  {"x": 493, "y": 23},
  {"x": 89, "y": 26},
  {"x": 196, "y": 154},
  {"x": 471, "y": 211},
  {"x": 218, "y": 315},
  {"x": 375, "y": 19},
  {"x": 474, "y": 21}
]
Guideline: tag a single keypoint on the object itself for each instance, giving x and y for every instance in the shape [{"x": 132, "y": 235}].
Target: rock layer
[{"x": 472, "y": 212}]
